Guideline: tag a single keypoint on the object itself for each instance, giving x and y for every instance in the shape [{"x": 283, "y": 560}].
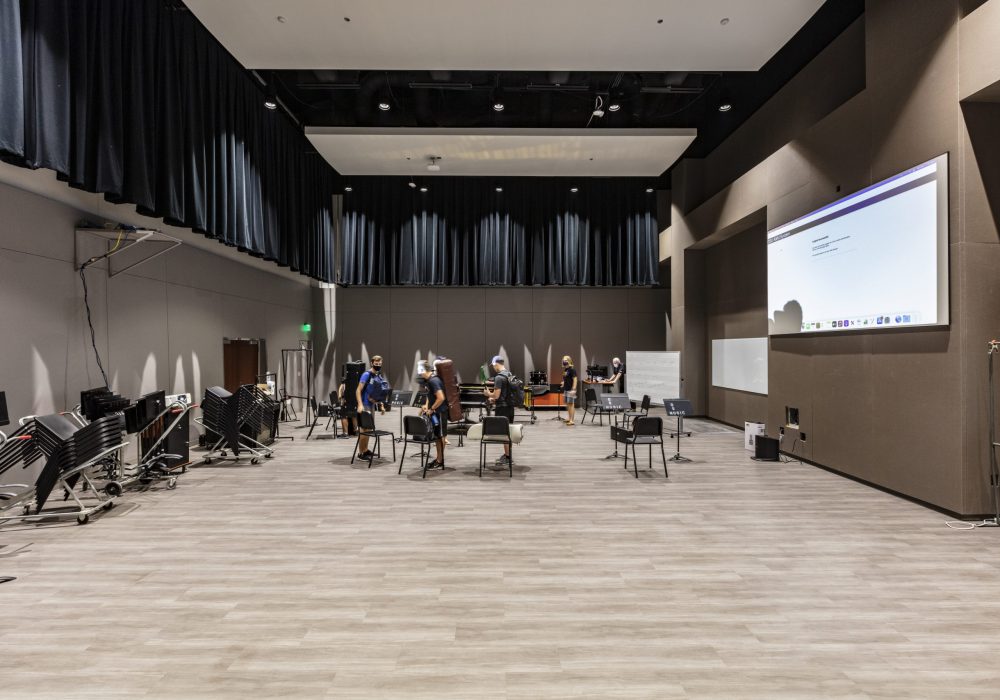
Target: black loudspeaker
[
  {"x": 352, "y": 375},
  {"x": 4, "y": 418},
  {"x": 765, "y": 448}
]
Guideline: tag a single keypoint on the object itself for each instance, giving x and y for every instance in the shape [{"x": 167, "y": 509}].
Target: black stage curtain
[
  {"x": 136, "y": 100},
  {"x": 535, "y": 232}
]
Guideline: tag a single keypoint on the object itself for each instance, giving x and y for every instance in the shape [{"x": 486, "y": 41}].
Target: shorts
[
  {"x": 505, "y": 411},
  {"x": 570, "y": 396},
  {"x": 441, "y": 428}
]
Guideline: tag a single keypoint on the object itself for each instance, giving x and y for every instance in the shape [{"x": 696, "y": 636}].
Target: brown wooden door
[{"x": 240, "y": 360}]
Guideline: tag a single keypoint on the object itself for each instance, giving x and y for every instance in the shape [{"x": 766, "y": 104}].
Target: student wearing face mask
[
  {"x": 569, "y": 388},
  {"x": 363, "y": 402},
  {"x": 436, "y": 407}
]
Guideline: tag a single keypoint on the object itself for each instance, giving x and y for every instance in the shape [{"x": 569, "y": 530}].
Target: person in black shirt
[
  {"x": 569, "y": 388},
  {"x": 503, "y": 400},
  {"x": 437, "y": 408}
]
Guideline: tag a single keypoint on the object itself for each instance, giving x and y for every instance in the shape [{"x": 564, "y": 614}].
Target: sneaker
[
  {"x": 366, "y": 455},
  {"x": 435, "y": 465}
]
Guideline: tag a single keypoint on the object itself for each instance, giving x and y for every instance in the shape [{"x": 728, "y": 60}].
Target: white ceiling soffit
[
  {"x": 511, "y": 35},
  {"x": 502, "y": 152}
]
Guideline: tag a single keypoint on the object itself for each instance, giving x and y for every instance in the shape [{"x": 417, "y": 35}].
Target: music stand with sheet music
[
  {"x": 678, "y": 408},
  {"x": 616, "y": 405}
]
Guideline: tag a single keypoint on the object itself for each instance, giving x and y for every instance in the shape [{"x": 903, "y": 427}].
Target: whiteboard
[
  {"x": 740, "y": 363},
  {"x": 657, "y": 374}
]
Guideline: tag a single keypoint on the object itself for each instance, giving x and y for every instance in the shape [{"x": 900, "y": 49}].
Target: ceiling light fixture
[
  {"x": 574, "y": 190},
  {"x": 649, "y": 190},
  {"x": 270, "y": 101},
  {"x": 725, "y": 101},
  {"x": 412, "y": 184},
  {"x": 384, "y": 106},
  {"x": 499, "y": 189},
  {"x": 614, "y": 107},
  {"x": 433, "y": 166},
  {"x": 724, "y": 21},
  {"x": 281, "y": 19},
  {"x": 423, "y": 189},
  {"x": 348, "y": 189},
  {"x": 498, "y": 106}
]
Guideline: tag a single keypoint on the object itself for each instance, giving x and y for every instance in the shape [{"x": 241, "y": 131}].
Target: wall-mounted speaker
[{"x": 765, "y": 448}]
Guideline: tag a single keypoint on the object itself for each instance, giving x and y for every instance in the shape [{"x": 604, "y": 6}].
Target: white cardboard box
[{"x": 750, "y": 432}]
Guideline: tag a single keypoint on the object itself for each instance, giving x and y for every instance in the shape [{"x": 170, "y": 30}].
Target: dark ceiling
[{"x": 555, "y": 100}]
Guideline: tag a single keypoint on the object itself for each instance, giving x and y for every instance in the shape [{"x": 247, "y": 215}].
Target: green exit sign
[{"x": 306, "y": 327}]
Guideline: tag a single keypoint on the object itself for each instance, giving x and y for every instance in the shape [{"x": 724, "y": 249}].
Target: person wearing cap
[
  {"x": 436, "y": 407},
  {"x": 569, "y": 388},
  {"x": 503, "y": 400},
  {"x": 362, "y": 402}
]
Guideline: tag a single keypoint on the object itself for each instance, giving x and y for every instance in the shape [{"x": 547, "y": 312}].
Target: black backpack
[{"x": 516, "y": 387}]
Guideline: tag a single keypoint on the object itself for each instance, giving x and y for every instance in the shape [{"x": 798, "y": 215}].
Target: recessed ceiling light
[
  {"x": 384, "y": 106},
  {"x": 348, "y": 189},
  {"x": 574, "y": 189},
  {"x": 423, "y": 189},
  {"x": 614, "y": 107},
  {"x": 659, "y": 21},
  {"x": 498, "y": 106},
  {"x": 724, "y": 21},
  {"x": 281, "y": 19}
]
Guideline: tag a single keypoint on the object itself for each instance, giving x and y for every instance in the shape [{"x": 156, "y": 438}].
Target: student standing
[
  {"x": 504, "y": 401},
  {"x": 437, "y": 408},
  {"x": 569, "y": 388},
  {"x": 364, "y": 384}
]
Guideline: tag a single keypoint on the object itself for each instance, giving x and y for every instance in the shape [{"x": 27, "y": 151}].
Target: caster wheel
[
  {"x": 26, "y": 510},
  {"x": 269, "y": 456},
  {"x": 109, "y": 506},
  {"x": 184, "y": 469},
  {"x": 82, "y": 519},
  {"x": 113, "y": 489},
  {"x": 208, "y": 460},
  {"x": 222, "y": 454},
  {"x": 171, "y": 483},
  {"x": 254, "y": 461}
]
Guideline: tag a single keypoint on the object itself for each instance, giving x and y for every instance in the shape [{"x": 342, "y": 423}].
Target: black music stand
[
  {"x": 616, "y": 405},
  {"x": 678, "y": 408},
  {"x": 4, "y": 420},
  {"x": 401, "y": 399}
]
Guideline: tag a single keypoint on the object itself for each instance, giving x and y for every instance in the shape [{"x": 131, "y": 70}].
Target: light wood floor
[{"x": 307, "y": 577}]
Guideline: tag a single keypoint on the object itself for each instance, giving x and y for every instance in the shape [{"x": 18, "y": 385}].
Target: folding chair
[
  {"x": 366, "y": 428},
  {"x": 646, "y": 430},
  {"x": 496, "y": 429},
  {"x": 415, "y": 429},
  {"x": 641, "y": 413},
  {"x": 593, "y": 406}
]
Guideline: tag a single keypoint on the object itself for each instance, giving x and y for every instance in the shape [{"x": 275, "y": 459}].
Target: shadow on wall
[
  {"x": 982, "y": 118},
  {"x": 787, "y": 320}
]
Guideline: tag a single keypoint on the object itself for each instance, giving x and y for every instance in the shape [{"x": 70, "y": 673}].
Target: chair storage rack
[
  {"x": 150, "y": 466},
  {"x": 226, "y": 414},
  {"x": 71, "y": 454}
]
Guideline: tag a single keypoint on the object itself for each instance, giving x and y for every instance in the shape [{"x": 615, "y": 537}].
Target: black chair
[
  {"x": 641, "y": 413},
  {"x": 593, "y": 406},
  {"x": 646, "y": 430},
  {"x": 496, "y": 430},
  {"x": 415, "y": 429},
  {"x": 366, "y": 428},
  {"x": 324, "y": 410}
]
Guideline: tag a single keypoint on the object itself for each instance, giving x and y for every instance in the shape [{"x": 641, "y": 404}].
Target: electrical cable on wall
[{"x": 86, "y": 303}]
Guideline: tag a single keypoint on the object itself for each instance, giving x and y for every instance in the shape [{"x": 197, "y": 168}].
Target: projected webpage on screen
[{"x": 868, "y": 261}]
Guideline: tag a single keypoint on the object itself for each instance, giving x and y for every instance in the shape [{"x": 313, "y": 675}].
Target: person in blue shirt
[
  {"x": 436, "y": 408},
  {"x": 363, "y": 403}
]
